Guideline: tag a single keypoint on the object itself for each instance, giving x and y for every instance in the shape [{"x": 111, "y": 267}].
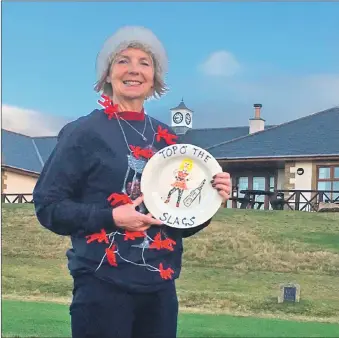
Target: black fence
[
  {"x": 307, "y": 200},
  {"x": 298, "y": 200},
  {"x": 17, "y": 198}
]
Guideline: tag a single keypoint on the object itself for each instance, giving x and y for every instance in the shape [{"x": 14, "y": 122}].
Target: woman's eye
[
  {"x": 145, "y": 63},
  {"x": 122, "y": 61}
]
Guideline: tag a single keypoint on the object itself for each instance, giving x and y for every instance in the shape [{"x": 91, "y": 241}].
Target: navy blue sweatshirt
[{"x": 96, "y": 166}]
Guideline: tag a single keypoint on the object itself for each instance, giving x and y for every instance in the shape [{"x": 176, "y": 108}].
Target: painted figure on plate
[{"x": 182, "y": 175}]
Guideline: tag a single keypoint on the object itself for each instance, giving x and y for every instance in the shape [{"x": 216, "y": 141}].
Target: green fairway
[{"x": 25, "y": 319}]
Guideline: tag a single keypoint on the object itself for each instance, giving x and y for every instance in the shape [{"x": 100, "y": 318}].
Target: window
[
  {"x": 242, "y": 185},
  {"x": 328, "y": 180},
  {"x": 272, "y": 183}
]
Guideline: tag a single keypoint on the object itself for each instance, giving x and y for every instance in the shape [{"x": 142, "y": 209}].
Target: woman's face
[{"x": 132, "y": 74}]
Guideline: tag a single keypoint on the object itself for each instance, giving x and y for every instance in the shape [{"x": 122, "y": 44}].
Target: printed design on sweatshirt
[
  {"x": 136, "y": 162},
  {"x": 137, "y": 158}
]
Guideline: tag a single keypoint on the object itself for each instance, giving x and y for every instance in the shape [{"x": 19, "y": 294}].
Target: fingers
[
  {"x": 223, "y": 187},
  {"x": 138, "y": 200},
  {"x": 144, "y": 228},
  {"x": 222, "y": 175},
  {"x": 224, "y": 195},
  {"x": 157, "y": 222},
  {"x": 140, "y": 228},
  {"x": 148, "y": 219},
  {"x": 221, "y": 180}
]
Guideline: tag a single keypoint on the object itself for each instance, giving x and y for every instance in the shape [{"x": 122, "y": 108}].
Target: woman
[{"x": 123, "y": 261}]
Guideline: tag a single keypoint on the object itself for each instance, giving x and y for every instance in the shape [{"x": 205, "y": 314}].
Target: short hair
[{"x": 160, "y": 88}]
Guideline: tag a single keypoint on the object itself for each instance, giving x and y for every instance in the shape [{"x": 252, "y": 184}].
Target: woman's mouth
[{"x": 131, "y": 83}]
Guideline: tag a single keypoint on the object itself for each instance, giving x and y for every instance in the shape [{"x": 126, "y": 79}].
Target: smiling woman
[
  {"x": 133, "y": 54},
  {"x": 124, "y": 262}
]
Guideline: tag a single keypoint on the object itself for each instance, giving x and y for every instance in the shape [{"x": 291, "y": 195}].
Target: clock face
[
  {"x": 188, "y": 118},
  {"x": 177, "y": 118}
]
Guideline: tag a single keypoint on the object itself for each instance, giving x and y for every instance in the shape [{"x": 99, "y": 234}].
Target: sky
[{"x": 223, "y": 58}]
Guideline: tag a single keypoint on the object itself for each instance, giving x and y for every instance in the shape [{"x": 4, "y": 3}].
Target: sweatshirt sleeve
[{"x": 55, "y": 194}]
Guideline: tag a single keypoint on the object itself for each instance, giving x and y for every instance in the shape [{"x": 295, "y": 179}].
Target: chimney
[
  {"x": 257, "y": 107},
  {"x": 257, "y": 123}
]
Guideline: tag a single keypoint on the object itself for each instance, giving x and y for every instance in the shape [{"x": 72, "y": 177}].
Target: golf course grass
[
  {"x": 229, "y": 283},
  {"x": 38, "y": 319}
]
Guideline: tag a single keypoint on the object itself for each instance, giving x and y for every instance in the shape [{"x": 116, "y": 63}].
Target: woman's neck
[{"x": 129, "y": 105}]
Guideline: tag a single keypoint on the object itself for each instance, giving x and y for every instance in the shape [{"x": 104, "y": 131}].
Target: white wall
[
  {"x": 304, "y": 181},
  {"x": 15, "y": 183},
  {"x": 281, "y": 179}
]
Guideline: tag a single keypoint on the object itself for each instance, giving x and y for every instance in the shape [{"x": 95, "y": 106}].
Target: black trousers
[{"x": 101, "y": 310}]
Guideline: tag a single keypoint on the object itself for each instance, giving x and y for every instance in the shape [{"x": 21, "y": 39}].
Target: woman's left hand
[{"x": 222, "y": 182}]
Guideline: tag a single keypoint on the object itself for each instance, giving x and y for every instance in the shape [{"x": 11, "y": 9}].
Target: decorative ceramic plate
[{"x": 176, "y": 183}]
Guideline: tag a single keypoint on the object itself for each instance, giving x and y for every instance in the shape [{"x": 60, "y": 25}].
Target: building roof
[
  {"x": 18, "y": 151},
  {"x": 182, "y": 106},
  {"x": 312, "y": 135},
  {"x": 25, "y": 152},
  {"x": 208, "y": 137},
  {"x": 45, "y": 146}
]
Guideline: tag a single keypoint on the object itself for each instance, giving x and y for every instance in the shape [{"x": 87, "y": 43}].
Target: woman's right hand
[{"x": 127, "y": 218}]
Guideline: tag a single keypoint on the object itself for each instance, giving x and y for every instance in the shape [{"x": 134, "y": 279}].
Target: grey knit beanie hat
[{"x": 134, "y": 37}]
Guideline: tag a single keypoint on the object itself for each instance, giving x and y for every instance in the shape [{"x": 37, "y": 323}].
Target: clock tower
[{"x": 181, "y": 118}]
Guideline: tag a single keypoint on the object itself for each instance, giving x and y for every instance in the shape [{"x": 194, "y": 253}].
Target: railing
[
  {"x": 308, "y": 200},
  {"x": 17, "y": 198},
  {"x": 299, "y": 200}
]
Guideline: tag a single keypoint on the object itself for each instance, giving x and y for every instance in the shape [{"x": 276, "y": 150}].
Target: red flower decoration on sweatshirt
[
  {"x": 140, "y": 152},
  {"x": 110, "y": 109},
  {"x": 116, "y": 199},
  {"x": 165, "y": 273},
  {"x": 100, "y": 237},
  {"x": 111, "y": 258},
  {"x": 159, "y": 244},
  {"x": 164, "y": 134},
  {"x": 132, "y": 235}
]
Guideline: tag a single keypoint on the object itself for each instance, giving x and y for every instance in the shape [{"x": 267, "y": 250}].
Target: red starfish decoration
[
  {"x": 110, "y": 109},
  {"x": 132, "y": 235},
  {"x": 167, "y": 244},
  {"x": 156, "y": 244},
  {"x": 115, "y": 199},
  {"x": 159, "y": 244},
  {"x": 165, "y": 273},
  {"x": 140, "y": 152},
  {"x": 100, "y": 237},
  {"x": 110, "y": 252},
  {"x": 163, "y": 133}
]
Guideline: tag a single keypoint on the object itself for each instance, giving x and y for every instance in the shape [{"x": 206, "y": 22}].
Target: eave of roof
[{"x": 11, "y": 168}]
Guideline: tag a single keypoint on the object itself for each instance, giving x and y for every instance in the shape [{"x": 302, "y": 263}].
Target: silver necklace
[
  {"x": 143, "y": 132},
  {"x": 124, "y": 135}
]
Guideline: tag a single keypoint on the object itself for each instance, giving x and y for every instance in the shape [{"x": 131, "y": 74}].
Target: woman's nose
[{"x": 133, "y": 68}]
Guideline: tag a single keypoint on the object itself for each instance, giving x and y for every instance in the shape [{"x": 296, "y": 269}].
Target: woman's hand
[
  {"x": 222, "y": 182},
  {"x": 126, "y": 217}
]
